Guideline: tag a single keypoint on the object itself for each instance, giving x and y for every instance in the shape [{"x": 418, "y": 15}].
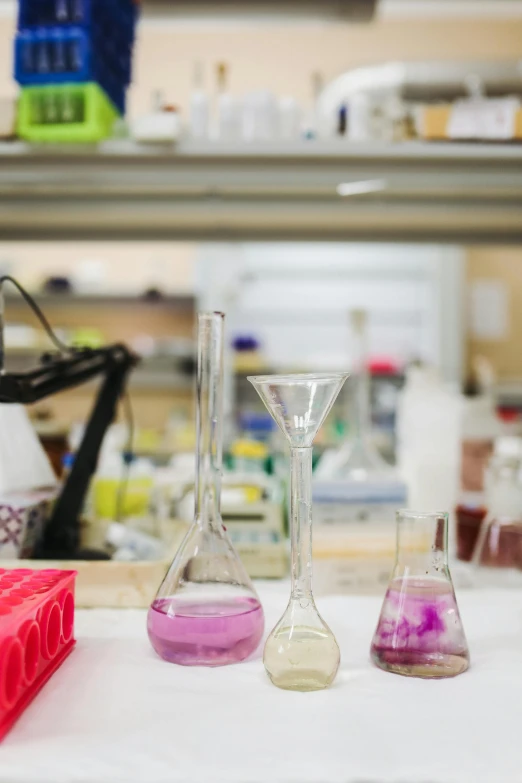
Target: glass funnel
[
  {"x": 301, "y": 653},
  {"x": 206, "y": 611},
  {"x": 420, "y": 633}
]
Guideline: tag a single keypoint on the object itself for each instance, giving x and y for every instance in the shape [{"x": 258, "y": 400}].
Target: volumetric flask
[
  {"x": 420, "y": 632},
  {"x": 206, "y": 611},
  {"x": 301, "y": 653}
]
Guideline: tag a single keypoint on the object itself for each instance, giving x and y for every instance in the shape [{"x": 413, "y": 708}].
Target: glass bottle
[
  {"x": 206, "y": 611},
  {"x": 499, "y": 542},
  {"x": 420, "y": 633},
  {"x": 301, "y": 653}
]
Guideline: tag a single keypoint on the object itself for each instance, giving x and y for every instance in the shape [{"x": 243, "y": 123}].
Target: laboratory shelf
[
  {"x": 412, "y": 191},
  {"x": 178, "y": 301}
]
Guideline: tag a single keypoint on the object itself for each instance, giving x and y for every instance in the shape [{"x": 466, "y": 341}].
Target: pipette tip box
[{"x": 36, "y": 634}]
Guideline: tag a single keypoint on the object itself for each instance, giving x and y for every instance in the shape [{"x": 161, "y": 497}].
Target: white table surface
[{"x": 115, "y": 713}]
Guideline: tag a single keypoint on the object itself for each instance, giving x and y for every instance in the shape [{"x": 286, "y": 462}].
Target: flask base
[
  {"x": 300, "y": 658},
  {"x": 416, "y": 663},
  {"x": 303, "y": 681}
]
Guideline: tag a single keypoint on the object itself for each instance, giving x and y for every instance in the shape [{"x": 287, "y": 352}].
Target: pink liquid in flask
[
  {"x": 224, "y": 631},
  {"x": 420, "y": 632}
]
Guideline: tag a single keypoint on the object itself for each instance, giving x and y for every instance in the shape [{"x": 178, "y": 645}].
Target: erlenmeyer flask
[
  {"x": 206, "y": 611},
  {"x": 420, "y": 632},
  {"x": 358, "y": 459},
  {"x": 301, "y": 653}
]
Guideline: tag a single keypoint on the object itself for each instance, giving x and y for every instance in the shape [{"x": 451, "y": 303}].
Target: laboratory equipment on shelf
[
  {"x": 420, "y": 633},
  {"x": 199, "y": 105},
  {"x": 228, "y": 109},
  {"x": 429, "y": 444},
  {"x": 74, "y": 74},
  {"x": 206, "y": 611},
  {"x": 499, "y": 539},
  {"x": 161, "y": 125},
  {"x": 385, "y": 101},
  {"x": 353, "y": 483},
  {"x": 301, "y": 653}
]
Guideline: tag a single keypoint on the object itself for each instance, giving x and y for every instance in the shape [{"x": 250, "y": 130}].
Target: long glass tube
[
  {"x": 301, "y": 522},
  {"x": 209, "y": 416}
]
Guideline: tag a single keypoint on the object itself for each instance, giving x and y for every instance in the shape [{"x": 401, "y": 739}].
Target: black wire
[{"x": 61, "y": 346}]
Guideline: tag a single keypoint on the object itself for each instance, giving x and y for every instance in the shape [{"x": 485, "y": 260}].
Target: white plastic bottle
[
  {"x": 429, "y": 425},
  {"x": 228, "y": 119},
  {"x": 199, "y": 105}
]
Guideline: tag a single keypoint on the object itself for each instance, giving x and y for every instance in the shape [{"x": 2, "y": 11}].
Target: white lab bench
[{"x": 115, "y": 713}]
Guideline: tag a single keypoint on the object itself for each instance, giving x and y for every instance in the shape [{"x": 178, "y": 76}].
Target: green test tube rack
[{"x": 63, "y": 113}]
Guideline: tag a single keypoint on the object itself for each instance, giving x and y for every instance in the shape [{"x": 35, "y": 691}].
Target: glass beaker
[
  {"x": 206, "y": 611},
  {"x": 301, "y": 653},
  {"x": 420, "y": 633}
]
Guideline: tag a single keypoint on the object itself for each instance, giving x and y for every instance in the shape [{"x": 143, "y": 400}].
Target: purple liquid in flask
[
  {"x": 420, "y": 633},
  {"x": 206, "y": 612},
  {"x": 205, "y": 634}
]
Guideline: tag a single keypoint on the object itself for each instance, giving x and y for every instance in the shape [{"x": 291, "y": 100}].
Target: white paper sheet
[{"x": 115, "y": 713}]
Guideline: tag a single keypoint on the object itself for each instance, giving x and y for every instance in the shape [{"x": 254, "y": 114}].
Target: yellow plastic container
[{"x": 135, "y": 503}]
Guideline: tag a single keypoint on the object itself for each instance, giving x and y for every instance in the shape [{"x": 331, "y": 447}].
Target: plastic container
[
  {"x": 56, "y": 55},
  {"x": 76, "y": 41},
  {"x": 23, "y": 516},
  {"x": 429, "y": 445},
  {"x": 137, "y": 489},
  {"x": 59, "y": 113},
  {"x": 93, "y": 15},
  {"x": 135, "y": 544},
  {"x": 36, "y": 634}
]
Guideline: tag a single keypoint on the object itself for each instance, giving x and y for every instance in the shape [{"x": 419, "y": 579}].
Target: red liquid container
[
  {"x": 36, "y": 634},
  {"x": 469, "y": 521}
]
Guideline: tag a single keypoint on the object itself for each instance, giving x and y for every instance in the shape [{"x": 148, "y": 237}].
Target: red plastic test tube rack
[{"x": 36, "y": 634}]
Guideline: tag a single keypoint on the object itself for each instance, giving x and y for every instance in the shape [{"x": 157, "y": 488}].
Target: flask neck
[
  {"x": 209, "y": 417},
  {"x": 301, "y": 521},
  {"x": 422, "y": 545}
]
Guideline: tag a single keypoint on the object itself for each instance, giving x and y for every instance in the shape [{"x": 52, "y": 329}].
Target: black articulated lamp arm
[
  {"x": 56, "y": 374},
  {"x": 59, "y": 371},
  {"x": 62, "y": 533}
]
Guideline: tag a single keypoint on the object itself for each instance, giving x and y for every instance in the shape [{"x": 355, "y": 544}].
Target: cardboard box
[{"x": 434, "y": 122}]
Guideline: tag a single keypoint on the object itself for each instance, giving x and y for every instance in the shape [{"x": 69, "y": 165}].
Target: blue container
[
  {"x": 112, "y": 14},
  {"x": 58, "y": 55},
  {"x": 76, "y": 41}
]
